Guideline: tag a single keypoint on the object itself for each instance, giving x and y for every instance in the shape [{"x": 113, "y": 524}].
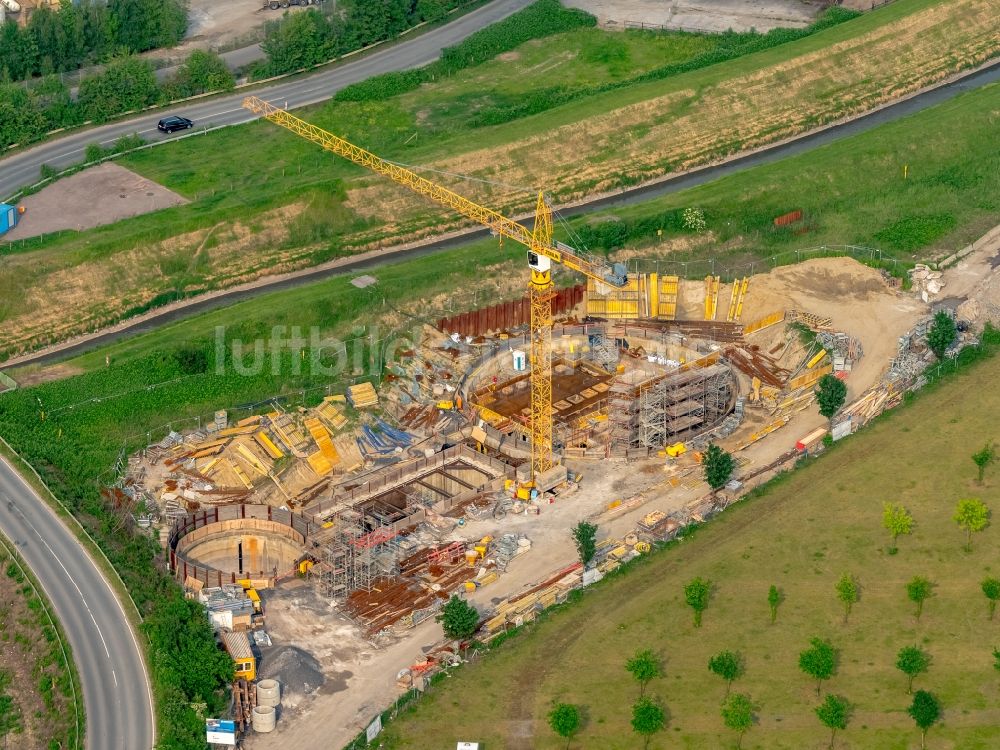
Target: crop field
[
  {"x": 655, "y": 103},
  {"x": 802, "y": 535}
]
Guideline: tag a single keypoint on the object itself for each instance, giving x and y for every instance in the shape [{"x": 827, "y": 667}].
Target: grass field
[
  {"x": 850, "y": 191},
  {"x": 293, "y": 205},
  {"x": 802, "y": 535}
]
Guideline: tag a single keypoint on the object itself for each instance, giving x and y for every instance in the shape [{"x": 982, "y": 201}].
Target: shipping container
[{"x": 8, "y": 217}]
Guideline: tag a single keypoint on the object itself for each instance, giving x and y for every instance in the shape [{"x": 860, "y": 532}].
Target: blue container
[{"x": 8, "y": 217}]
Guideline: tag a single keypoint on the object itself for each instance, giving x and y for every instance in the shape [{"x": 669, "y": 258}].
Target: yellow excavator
[{"x": 542, "y": 252}]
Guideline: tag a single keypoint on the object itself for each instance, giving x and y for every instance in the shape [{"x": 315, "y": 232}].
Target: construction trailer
[{"x": 237, "y": 645}]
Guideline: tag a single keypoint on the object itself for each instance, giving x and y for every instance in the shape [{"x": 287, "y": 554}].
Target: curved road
[
  {"x": 941, "y": 93},
  {"x": 119, "y": 711},
  {"x": 23, "y": 168}
]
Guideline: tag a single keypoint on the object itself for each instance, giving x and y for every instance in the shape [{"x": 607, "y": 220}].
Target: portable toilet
[
  {"x": 520, "y": 360},
  {"x": 8, "y": 217}
]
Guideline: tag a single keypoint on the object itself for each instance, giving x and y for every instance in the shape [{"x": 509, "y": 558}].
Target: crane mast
[{"x": 541, "y": 253}]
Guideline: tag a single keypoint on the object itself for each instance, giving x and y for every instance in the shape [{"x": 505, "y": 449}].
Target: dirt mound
[{"x": 296, "y": 670}]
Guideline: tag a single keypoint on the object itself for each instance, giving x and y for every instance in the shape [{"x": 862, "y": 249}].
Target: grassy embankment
[
  {"x": 293, "y": 205},
  {"x": 801, "y": 536},
  {"x": 41, "y": 702}
]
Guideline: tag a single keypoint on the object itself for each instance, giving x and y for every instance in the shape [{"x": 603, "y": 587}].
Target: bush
[
  {"x": 201, "y": 72},
  {"x": 126, "y": 84}
]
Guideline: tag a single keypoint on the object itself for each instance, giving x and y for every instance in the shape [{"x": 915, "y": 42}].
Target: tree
[
  {"x": 848, "y": 593},
  {"x": 819, "y": 661},
  {"x": 719, "y": 466},
  {"x": 648, "y": 718},
  {"x": 458, "y": 619},
  {"x": 564, "y": 720},
  {"x": 728, "y": 665},
  {"x": 696, "y": 595},
  {"x": 298, "y": 41},
  {"x": 996, "y": 659},
  {"x": 774, "y": 598},
  {"x": 831, "y": 392},
  {"x": 431, "y": 10},
  {"x": 971, "y": 515},
  {"x": 585, "y": 538},
  {"x": 126, "y": 84},
  {"x": 925, "y": 711},
  {"x": 941, "y": 334},
  {"x": 911, "y": 661},
  {"x": 202, "y": 71},
  {"x": 991, "y": 590},
  {"x": 897, "y": 521},
  {"x": 918, "y": 591},
  {"x": 984, "y": 458},
  {"x": 644, "y": 666},
  {"x": 834, "y": 712},
  {"x": 737, "y": 714}
]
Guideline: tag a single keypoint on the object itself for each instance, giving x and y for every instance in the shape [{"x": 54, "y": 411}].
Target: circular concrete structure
[{"x": 234, "y": 542}]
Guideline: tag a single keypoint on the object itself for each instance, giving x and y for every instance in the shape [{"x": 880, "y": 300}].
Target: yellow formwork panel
[
  {"x": 765, "y": 322},
  {"x": 669, "y": 288},
  {"x": 711, "y": 297},
  {"x": 808, "y": 378},
  {"x": 268, "y": 445},
  {"x": 616, "y": 303},
  {"x": 817, "y": 358}
]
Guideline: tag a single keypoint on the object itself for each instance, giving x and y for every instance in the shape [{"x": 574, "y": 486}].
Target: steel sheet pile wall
[{"x": 507, "y": 315}]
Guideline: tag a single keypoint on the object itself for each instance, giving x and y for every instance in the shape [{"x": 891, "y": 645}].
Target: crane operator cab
[{"x": 541, "y": 269}]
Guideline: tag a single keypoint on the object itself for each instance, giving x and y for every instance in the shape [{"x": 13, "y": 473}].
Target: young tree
[
  {"x": 737, "y": 714},
  {"x": 644, "y": 666},
  {"x": 984, "y": 458},
  {"x": 458, "y": 619},
  {"x": 848, "y": 593},
  {"x": 774, "y": 598},
  {"x": 834, "y": 712},
  {"x": 971, "y": 515},
  {"x": 925, "y": 711},
  {"x": 564, "y": 720},
  {"x": 696, "y": 595},
  {"x": 991, "y": 590},
  {"x": 719, "y": 466},
  {"x": 728, "y": 665},
  {"x": 585, "y": 538},
  {"x": 941, "y": 334},
  {"x": 830, "y": 395},
  {"x": 996, "y": 659},
  {"x": 897, "y": 521},
  {"x": 648, "y": 718},
  {"x": 911, "y": 661},
  {"x": 918, "y": 591},
  {"x": 819, "y": 661}
]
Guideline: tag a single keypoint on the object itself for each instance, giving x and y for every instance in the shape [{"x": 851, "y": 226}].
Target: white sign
[
  {"x": 374, "y": 728},
  {"x": 468, "y": 746},
  {"x": 220, "y": 732}
]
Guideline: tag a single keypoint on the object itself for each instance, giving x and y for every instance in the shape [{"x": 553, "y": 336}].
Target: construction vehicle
[
  {"x": 542, "y": 252},
  {"x": 676, "y": 450}
]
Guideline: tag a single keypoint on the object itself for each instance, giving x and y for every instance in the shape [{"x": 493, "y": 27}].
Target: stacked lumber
[
  {"x": 332, "y": 413},
  {"x": 522, "y": 608},
  {"x": 362, "y": 395}
]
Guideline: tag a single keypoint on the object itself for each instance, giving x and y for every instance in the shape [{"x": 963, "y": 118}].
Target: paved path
[
  {"x": 23, "y": 168},
  {"x": 119, "y": 713}
]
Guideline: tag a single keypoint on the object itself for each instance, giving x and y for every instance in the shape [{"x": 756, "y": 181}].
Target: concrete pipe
[
  {"x": 263, "y": 719},
  {"x": 268, "y": 693}
]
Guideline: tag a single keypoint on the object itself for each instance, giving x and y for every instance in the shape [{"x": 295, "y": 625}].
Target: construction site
[{"x": 461, "y": 467}]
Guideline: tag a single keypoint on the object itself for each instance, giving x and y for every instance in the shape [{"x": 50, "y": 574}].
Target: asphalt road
[
  {"x": 119, "y": 713},
  {"x": 942, "y": 93},
  {"x": 23, "y": 168}
]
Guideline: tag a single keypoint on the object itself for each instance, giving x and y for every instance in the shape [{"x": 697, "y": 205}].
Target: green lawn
[
  {"x": 808, "y": 530},
  {"x": 316, "y": 207}
]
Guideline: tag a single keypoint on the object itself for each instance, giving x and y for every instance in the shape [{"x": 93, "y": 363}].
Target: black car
[{"x": 172, "y": 123}]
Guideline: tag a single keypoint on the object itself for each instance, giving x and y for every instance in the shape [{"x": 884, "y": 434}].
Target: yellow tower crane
[{"x": 541, "y": 252}]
